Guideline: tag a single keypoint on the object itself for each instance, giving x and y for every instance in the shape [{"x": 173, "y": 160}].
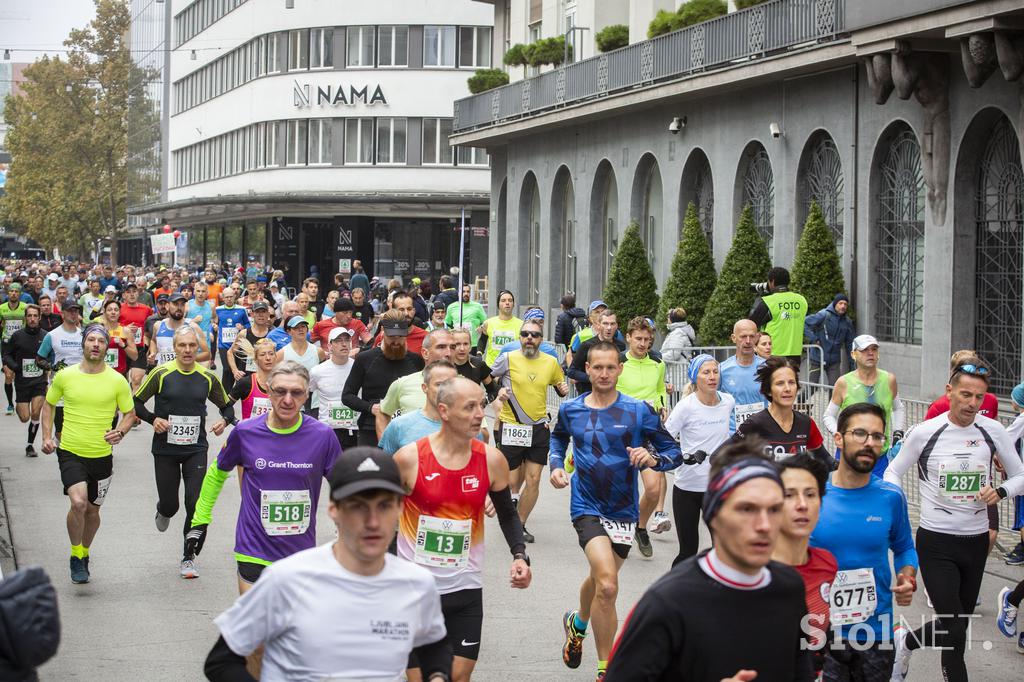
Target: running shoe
[
  {"x": 1016, "y": 557},
  {"x": 660, "y": 523},
  {"x": 1020, "y": 643},
  {"x": 643, "y": 542},
  {"x": 600, "y": 676},
  {"x": 30, "y": 451},
  {"x": 1017, "y": 549},
  {"x": 188, "y": 568},
  {"x": 901, "y": 664},
  {"x": 527, "y": 535},
  {"x": 572, "y": 650},
  {"x": 10, "y": 410},
  {"x": 1007, "y": 617},
  {"x": 79, "y": 571},
  {"x": 161, "y": 521}
]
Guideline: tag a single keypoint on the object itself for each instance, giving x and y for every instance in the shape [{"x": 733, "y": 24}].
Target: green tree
[
  {"x": 486, "y": 79},
  {"x": 612, "y": 37},
  {"x": 746, "y": 262},
  {"x": 688, "y": 14},
  {"x": 744, "y": 4},
  {"x": 68, "y": 138},
  {"x": 692, "y": 277},
  {"x": 517, "y": 55},
  {"x": 817, "y": 273},
  {"x": 547, "y": 51},
  {"x": 631, "y": 289}
]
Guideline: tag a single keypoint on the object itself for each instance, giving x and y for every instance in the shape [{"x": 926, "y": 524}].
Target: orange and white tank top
[{"x": 442, "y": 523}]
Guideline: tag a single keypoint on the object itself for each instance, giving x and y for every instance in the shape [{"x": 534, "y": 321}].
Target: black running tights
[
  {"x": 170, "y": 471},
  {"x": 686, "y": 508},
  {"x": 952, "y": 567}
]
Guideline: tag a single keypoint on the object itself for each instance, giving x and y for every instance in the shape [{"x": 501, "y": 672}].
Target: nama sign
[{"x": 336, "y": 95}]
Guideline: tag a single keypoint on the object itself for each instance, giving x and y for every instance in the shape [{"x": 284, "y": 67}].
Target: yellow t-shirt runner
[
  {"x": 499, "y": 333},
  {"x": 527, "y": 381},
  {"x": 90, "y": 402}
]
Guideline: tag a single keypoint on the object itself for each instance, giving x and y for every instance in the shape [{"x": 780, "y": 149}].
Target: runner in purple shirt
[{"x": 284, "y": 454}]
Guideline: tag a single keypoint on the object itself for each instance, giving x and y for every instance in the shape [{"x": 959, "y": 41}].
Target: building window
[
  {"x": 321, "y": 48},
  {"x": 320, "y": 142},
  {"x": 359, "y": 141},
  {"x": 534, "y": 33},
  {"x": 273, "y": 45},
  {"x": 475, "y": 47},
  {"x": 900, "y": 244},
  {"x": 271, "y": 144},
  {"x": 759, "y": 193},
  {"x": 360, "y": 45},
  {"x": 297, "y": 145},
  {"x": 472, "y": 156},
  {"x": 391, "y": 140},
  {"x": 298, "y": 49},
  {"x": 823, "y": 183},
  {"x": 393, "y": 46},
  {"x": 436, "y": 150},
  {"x": 999, "y": 255},
  {"x": 438, "y": 46}
]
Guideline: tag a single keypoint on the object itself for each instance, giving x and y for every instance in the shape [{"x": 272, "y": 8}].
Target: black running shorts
[
  {"x": 250, "y": 572},
  {"x": 140, "y": 362},
  {"x": 25, "y": 391},
  {"x": 463, "y": 613},
  {"x": 536, "y": 453},
  {"x": 95, "y": 472},
  {"x": 589, "y": 527}
]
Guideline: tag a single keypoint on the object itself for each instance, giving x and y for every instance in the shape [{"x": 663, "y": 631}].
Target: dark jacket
[
  {"x": 446, "y": 298},
  {"x": 29, "y": 624},
  {"x": 830, "y": 330},
  {"x": 568, "y": 323},
  {"x": 422, "y": 308}
]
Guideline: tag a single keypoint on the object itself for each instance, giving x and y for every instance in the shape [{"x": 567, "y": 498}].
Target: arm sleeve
[
  {"x": 907, "y": 457},
  {"x": 213, "y": 482},
  {"x": 559, "y": 441},
  {"x": 901, "y": 536},
  {"x": 146, "y": 391},
  {"x": 481, "y": 343},
  {"x": 508, "y": 519},
  {"x": 648, "y": 643},
  {"x": 46, "y": 349},
  {"x": 350, "y": 394},
  {"x": 899, "y": 415},
  {"x": 224, "y": 665},
  {"x": 829, "y": 418},
  {"x": 760, "y": 313}
]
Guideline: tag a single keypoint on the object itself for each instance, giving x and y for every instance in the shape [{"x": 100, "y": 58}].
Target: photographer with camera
[{"x": 780, "y": 312}]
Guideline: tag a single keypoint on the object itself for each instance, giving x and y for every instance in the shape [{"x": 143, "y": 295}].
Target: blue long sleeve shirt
[
  {"x": 860, "y": 527},
  {"x": 604, "y": 483}
]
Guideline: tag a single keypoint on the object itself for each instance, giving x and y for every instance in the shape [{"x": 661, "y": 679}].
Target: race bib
[
  {"x": 102, "y": 486},
  {"x": 228, "y": 334},
  {"x": 183, "y": 430},
  {"x": 500, "y": 340},
  {"x": 250, "y": 365},
  {"x": 11, "y": 326},
  {"x": 285, "y": 512},
  {"x": 29, "y": 369},
  {"x": 337, "y": 416},
  {"x": 744, "y": 412},
  {"x": 516, "y": 435},
  {"x": 138, "y": 336},
  {"x": 619, "y": 532},
  {"x": 260, "y": 406},
  {"x": 165, "y": 356},
  {"x": 110, "y": 357},
  {"x": 443, "y": 543},
  {"x": 852, "y": 597},
  {"x": 960, "y": 481}
]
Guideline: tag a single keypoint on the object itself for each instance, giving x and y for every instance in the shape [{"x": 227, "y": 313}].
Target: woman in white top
[
  {"x": 301, "y": 350},
  {"x": 700, "y": 422}
]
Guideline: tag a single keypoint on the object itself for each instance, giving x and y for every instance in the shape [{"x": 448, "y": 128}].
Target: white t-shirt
[
  {"x": 318, "y": 620},
  {"x": 699, "y": 427},
  {"x": 326, "y": 382}
]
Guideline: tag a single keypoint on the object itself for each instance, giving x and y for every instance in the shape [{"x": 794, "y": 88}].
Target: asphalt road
[{"x": 137, "y": 620}]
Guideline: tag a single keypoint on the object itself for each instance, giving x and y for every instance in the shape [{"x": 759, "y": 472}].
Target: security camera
[
  {"x": 677, "y": 124},
  {"x": 776, "y": 131}
]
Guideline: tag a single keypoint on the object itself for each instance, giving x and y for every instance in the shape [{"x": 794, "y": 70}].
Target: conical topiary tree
[
  {"x": 746, "y": 262},
  {"x": 692, "y": 278},
  {"x": 817, "y": 273},
  {"x": 631, "y": 289}
]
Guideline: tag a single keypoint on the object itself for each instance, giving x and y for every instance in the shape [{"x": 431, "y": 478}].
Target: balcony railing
[{"x": 758, "y": 31}]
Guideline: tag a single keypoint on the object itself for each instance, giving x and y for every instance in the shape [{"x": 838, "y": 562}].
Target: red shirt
[
  {"x": 414, "y": 342},
  {"x": 322, "y": 329},
  {"x": 817, "y": 574},
  {"x": 135, "y": 314},
  {"x": 989, "y": 407}
]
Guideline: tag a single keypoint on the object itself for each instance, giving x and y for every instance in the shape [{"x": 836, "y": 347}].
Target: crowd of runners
[{"x": 426, "y": 416}]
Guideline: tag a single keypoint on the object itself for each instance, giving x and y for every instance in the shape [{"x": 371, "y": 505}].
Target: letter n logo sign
[
  {"x": 345, "y": 237},
  {"x": 300, "y": 94}
]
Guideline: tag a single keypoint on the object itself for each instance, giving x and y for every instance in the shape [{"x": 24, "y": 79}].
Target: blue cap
[
  {"x": 295, "y": 320},
  {"x": 1017, "y": 395},
  {"x": 596, "y": 304}
]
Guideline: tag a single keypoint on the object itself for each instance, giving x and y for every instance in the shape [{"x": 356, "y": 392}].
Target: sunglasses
[
  {"x": 532, "y": 335},
  {"x": 973, "y": 370}
]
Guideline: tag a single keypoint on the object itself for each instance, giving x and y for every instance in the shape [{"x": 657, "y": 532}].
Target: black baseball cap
[
  {"x": 177, "y": 296},
  {"x": 131, "y": 285},
  {"x": 343, "y": 304},
  {"x": 364, "y": 468},
  {"x": 395, "y": 327},
  {"x": 260, "y": 305},
  {"x": 71, "y": 303},
  {"x": 162, "y": 298}
]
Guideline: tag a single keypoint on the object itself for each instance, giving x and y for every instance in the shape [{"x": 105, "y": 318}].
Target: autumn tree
[{"x": 68, "y": 138}]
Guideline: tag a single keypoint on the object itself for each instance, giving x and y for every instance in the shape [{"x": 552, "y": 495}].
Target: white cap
[
  {"x": 52, "y": 275},
  {"x": 111, "y": 289},
  {"x": 864, "y": 341},
  {"x": 338, "y": 331}
]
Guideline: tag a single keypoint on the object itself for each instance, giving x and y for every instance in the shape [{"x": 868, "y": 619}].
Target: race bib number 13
[{"x": 443, "y": 543}]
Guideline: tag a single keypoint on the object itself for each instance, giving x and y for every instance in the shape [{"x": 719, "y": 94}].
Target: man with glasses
[
  {"x": 283, "y": 456},
  {"x": 521, "y": 432},
  {"x": 952, "y": 453},
  {"x": 862, "y": 519}
]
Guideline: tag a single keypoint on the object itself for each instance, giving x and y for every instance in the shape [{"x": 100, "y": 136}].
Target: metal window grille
[
  {"x": 759, "y": 192},
  {"x": 705, "y": 201},
  {"x": 999, "y": 257},
  {"x": 824, "y": 184},
  {"x": 900, "y": 245}
]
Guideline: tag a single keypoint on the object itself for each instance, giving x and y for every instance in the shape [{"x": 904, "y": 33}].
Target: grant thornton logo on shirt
[{"x": 390, "y": 629}]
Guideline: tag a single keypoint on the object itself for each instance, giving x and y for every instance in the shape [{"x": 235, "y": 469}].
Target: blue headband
[
  {"x": 695, "y": 365},
  {"x": 729, "y": 478},
  {"x": 1017, "y": 395},
  {"x": 534, "y": 314}
]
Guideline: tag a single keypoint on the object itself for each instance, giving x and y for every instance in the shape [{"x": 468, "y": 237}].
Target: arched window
[
  {"x": 603, "y": 234},
  {"x": 999, "y": 256},
  {"x": 900, "y": 240},
  {"x": 705, "y": 202},
  {"x": 759, "y": 192},
  {"x": 823, "y": 183}
]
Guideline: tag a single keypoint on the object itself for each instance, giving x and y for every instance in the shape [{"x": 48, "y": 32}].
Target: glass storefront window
[
  {"x": 213, "y": 233},
  {"x": 196, "y": 247},
  {"x": 256, "y": 242},
  {"x": 233, "y": 243}
]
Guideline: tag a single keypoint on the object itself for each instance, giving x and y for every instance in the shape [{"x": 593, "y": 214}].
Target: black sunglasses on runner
[{"x": 532, "y": 335}]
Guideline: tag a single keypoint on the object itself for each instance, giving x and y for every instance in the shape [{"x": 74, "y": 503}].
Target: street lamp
[{"x": 571, "y": 31}]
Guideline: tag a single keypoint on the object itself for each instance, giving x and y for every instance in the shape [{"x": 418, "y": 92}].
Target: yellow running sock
[
  {"x": 602, "y": 666},
  {"x": 76, "y": 551},
  {"x": 85, "y": 552}
]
